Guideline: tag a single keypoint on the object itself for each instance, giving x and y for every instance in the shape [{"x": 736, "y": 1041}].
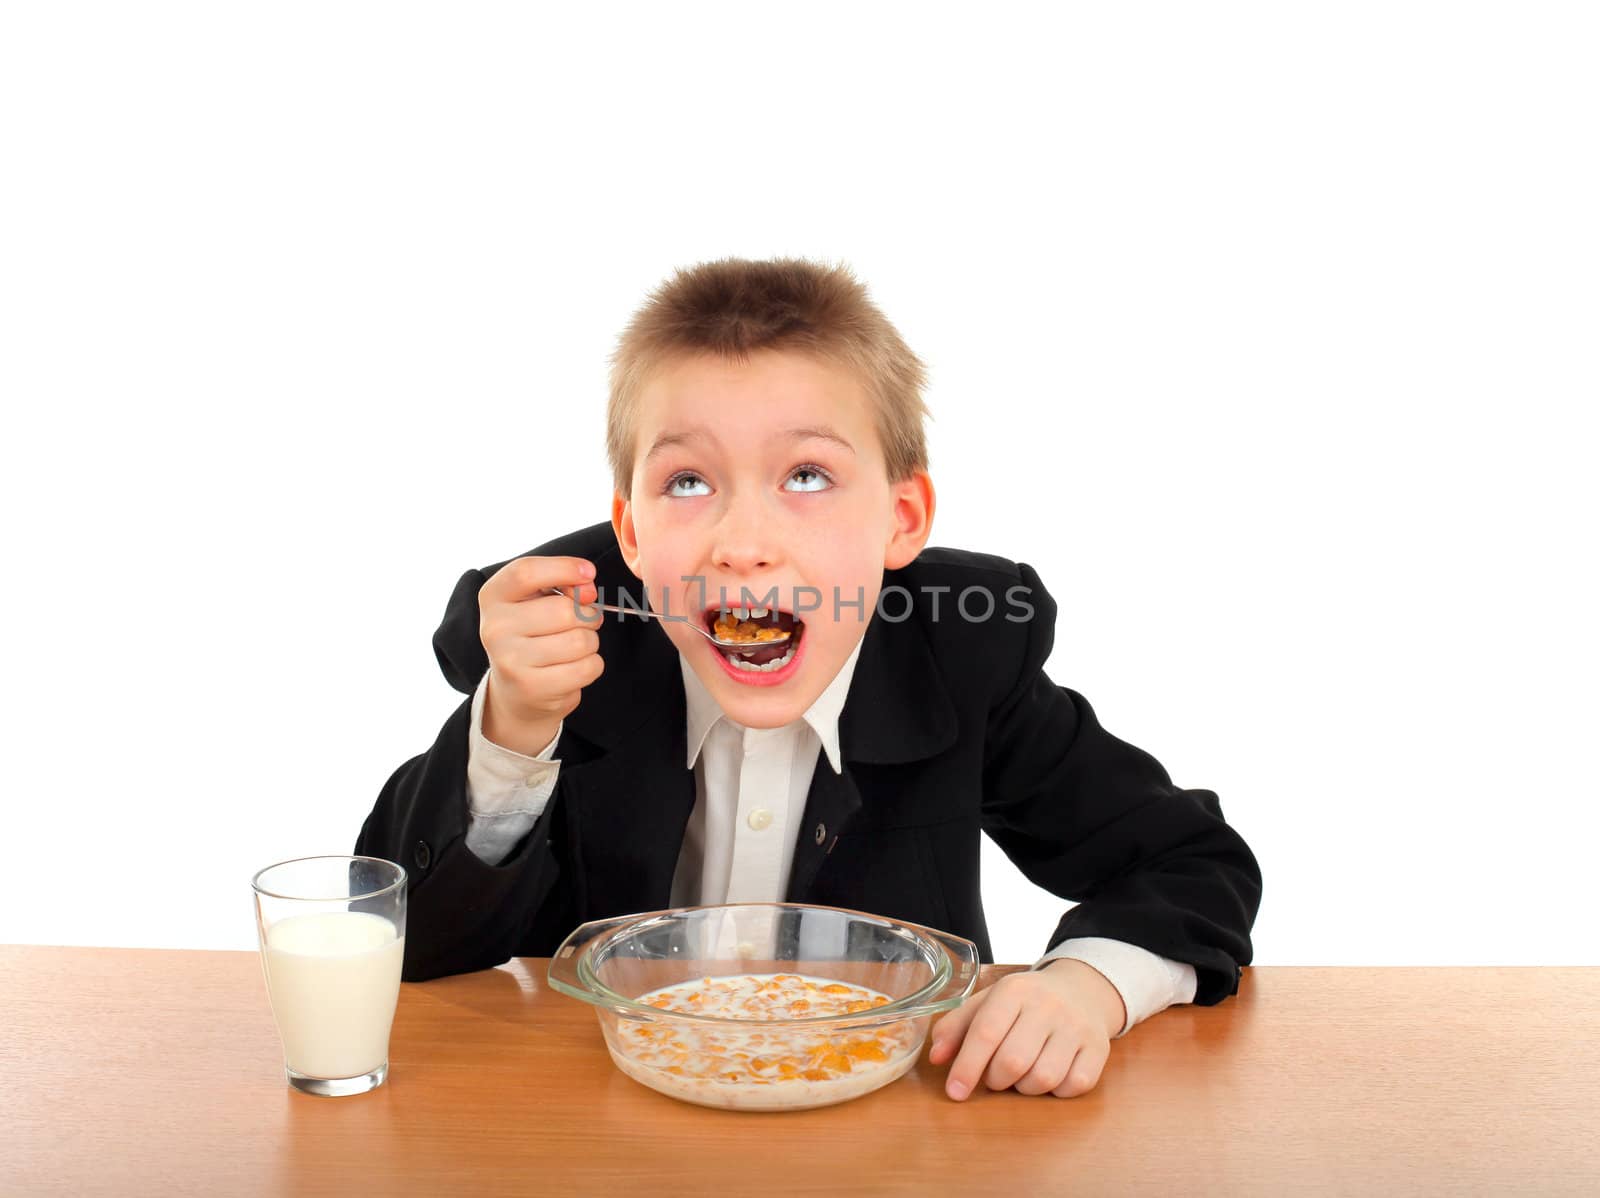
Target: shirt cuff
[
  {"x": 501, "y": 782},
  {"x": 1147, "y": 982}
]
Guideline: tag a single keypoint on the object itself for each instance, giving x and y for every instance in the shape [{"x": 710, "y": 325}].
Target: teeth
[
  {"x": 740, "y": 663},
  {"x": 745, "y": 612}
]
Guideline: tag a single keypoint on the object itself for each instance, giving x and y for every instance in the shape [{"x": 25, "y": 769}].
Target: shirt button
[
  {"x": 820, "y": 834},
  {"x": 760, "y": 819},
  {"x": 422, "y": 854}
]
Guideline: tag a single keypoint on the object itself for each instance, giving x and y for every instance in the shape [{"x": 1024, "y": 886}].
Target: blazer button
[
  {"x": 422, "y": 854},
  {"x": 820, "y": 834}
]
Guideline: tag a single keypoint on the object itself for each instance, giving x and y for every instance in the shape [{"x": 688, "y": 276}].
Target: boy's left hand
[{"x": 1047, "y": 1031}]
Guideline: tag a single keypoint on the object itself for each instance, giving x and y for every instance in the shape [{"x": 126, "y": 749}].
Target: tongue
[{"x": 760, "y": 657}]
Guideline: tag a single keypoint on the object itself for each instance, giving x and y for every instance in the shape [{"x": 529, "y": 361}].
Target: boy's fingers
[
  {"x": 1050, "y": 1070},
  {"x": 554, "y": 613},
  {"x": 505, "y": 628},
  {"x": 530, "y": 577},
  {"x": 558, "y": 648},
  {"x": 1019, "y": 1051},
  {"x": 1084, "y": 1073},
  {"x": 984, "y": 1034},
  {"x": 573, "y": 675}
]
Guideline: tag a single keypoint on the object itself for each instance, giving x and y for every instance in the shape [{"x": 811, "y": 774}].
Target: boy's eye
[
  {"x": 687, "y": 484},
  {"x": 809, "y": 478}
]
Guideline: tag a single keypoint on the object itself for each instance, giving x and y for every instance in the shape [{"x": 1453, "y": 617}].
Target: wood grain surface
[{"x": 154, "y": 1072}]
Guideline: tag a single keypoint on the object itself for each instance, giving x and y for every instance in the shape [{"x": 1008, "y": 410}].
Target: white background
[{"x": 1266, "y": 333}]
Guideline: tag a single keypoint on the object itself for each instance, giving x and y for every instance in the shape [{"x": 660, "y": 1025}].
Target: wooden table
[{"x": 140, "y": 1072}]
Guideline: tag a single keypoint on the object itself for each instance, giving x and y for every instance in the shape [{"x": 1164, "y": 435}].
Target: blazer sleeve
[
  {"x": 1094, "y": 819},
  {"x": 461, "y": 914}
]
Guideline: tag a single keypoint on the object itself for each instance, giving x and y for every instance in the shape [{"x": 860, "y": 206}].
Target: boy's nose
[
  {"x": 741, "y": 558},
  {"x": 742, "y": 545}
]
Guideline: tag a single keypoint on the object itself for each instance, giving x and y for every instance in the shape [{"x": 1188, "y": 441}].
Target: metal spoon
[{"x": 741, "y": 646}]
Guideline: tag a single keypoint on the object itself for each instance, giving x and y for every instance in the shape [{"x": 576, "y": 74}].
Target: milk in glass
[{"x": 334, "y": 978}]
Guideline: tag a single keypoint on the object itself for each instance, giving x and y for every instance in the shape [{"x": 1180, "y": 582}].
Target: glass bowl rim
[
  {"x": 907, "y": 1007},
  {"x": 255, "y": 881}
]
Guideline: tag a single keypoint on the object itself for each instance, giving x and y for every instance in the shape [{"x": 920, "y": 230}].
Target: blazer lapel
[
  {"x": 831, "y": 804},
  {"x": 898, "y": 709}
]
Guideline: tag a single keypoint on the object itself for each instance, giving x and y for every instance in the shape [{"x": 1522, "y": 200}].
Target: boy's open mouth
[{"x": 753, "y": 625}]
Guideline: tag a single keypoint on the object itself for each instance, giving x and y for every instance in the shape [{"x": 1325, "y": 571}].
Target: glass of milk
[{"x": 333, "y": 934}]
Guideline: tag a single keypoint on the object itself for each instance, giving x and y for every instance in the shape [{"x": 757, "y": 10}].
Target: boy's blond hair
[{"x": 735, "y": 306}]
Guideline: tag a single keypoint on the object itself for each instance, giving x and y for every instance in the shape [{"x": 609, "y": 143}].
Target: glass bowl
[{"x": 764, "y": 1006}]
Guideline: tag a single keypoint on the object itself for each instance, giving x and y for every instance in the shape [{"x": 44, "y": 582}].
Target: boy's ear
[
  {"x": 622, "y": 525},
  {"x": 911, "y": 519}
]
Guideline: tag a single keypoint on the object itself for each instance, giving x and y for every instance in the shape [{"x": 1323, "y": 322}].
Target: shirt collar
[{"x": 823, "y": 715}]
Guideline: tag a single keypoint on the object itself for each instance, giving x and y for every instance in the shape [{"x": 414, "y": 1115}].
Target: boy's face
[{"x": 760, "y": 478}]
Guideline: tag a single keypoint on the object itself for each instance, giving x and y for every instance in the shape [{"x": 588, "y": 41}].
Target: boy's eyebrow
[
  {"x": 668, "y": 440},
  {"x": 819, "y": 432}
]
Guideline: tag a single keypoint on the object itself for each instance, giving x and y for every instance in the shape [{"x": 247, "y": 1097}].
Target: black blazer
[{"x": 950, "y": 729}]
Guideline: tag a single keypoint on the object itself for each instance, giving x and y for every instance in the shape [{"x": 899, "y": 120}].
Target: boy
[{"x": 765, "y": 436}]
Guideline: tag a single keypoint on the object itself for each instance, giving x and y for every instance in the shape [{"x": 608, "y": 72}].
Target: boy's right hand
[{"x": 542, "y": 651}]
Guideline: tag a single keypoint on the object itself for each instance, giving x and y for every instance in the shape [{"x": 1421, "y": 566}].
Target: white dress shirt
[{"x": 750, "y": 795}]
